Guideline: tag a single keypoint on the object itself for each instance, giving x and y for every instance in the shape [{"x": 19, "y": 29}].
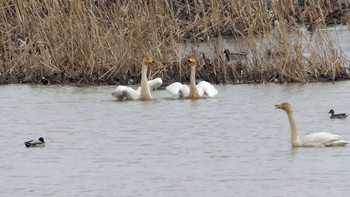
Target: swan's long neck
[
  {"x": 295, "y": 140},
  {"x": 193, "y": 88},
  {"x": 145, "y": 91}
]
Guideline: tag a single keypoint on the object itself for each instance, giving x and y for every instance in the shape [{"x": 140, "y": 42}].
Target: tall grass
[{"x": 104, "y": 41}]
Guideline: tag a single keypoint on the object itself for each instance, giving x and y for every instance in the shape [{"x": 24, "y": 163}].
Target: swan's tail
[{"x": 338, "y": 143}]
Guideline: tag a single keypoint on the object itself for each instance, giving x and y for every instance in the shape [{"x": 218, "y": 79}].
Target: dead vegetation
[{"x": 104, "y": 41}]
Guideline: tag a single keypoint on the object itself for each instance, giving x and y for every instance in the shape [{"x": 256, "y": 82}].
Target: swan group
[
  {"x": 194, "y": 91},
  {"x": 205, "y": 89},
  {"x": 320, "y": 139}
]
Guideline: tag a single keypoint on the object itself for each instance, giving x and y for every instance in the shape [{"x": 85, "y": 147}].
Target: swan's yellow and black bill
[
  {"x": 279, "y": 106},
  {"x": 283, "y": 106},
  {"x": 192, "y": 60},
  {"x": 149, "y": 60}
]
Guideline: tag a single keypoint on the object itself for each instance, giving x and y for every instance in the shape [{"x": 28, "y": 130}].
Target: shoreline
[{"x": 104, "y": 41}]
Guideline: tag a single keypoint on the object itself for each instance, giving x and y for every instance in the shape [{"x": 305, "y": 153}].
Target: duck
[
  {"x": 35, "y": 143},
  {"x": 194, "y": 91},
  {"x": 234, "y": 57},
  {"x": 319, "y": 139},
  {"x": 45, "y": 80},
  {"x": 122, "y": 92},
  {"x": 337, "y": 116}
]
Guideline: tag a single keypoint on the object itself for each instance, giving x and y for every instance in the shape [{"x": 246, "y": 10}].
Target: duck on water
[
  {"x": 35, "y": 143},
  {"x": 337, "y": 116}
]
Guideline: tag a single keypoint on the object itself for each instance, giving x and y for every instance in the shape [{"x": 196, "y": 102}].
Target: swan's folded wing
[
  {"x": 178, "y": 89},
  {"x": 154, "y": 83},
  {"x": 185, "y": 91},
  {"x": 124, "y": 92},
  {"x": 323, "y": 139},
  {"x": 174, "y": 88},
  {"x": 208, "y": 89},
  {"x": 119, "y": 93}
]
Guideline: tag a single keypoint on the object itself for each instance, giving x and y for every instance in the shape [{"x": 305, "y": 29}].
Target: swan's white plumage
[
  {"x": 203, "y": 87},
  {"x": 207, "y": 88},
  {"x": 323, "y": 139},
  {"x": 154, "y": 83},
  {"x": 126, "y": 93},
  {"x": 178, "y": 89}
]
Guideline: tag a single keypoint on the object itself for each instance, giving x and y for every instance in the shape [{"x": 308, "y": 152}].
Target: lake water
[{"x": 235, "y": 144}]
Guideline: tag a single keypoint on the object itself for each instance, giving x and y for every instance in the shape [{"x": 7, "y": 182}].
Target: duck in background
[
  {"x": 35, "y": 143},
  {"x": 234, "y": 57},
  {"x": 337, "y": 116},
  {"x": 45, "y": 81}
]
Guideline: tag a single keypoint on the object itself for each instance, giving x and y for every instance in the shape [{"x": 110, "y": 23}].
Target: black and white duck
[{"x": 35, "y": 143}]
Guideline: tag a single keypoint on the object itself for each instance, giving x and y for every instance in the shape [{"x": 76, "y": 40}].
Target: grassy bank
[{"x": 104, "y": 41}]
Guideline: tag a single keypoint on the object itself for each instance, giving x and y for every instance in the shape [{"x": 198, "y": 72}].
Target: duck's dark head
[
  {"x": 41, "y": 139},
  {"x": 331, "y": 112},
  {"x": 45, "y": 80},
  {"x": 27, "y": 144},
  {"x": 227, "y": 54}
]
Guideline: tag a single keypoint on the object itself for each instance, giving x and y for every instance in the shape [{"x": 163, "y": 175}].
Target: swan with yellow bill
[
  {"x": 142, "y": 93},
  {"x": 320, "y": 139},
  {"x": 194, "y": 91}
]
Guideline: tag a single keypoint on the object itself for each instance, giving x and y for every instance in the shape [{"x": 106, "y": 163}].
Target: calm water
[{"x": 236, "y": 144}]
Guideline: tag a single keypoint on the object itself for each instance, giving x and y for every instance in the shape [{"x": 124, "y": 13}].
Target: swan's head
[
  {"x": 331, "y": 112},
  {"x": 192, "y": 61},
  {"x": 149, "y": 61},
  {"x": 285, "y": 106}
]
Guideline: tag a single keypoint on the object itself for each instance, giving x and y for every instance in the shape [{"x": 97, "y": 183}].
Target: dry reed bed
[{"x": 104, "y": 41}]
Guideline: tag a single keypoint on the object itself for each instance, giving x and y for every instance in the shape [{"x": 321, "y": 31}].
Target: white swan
[
  {"x": 194, "y": 91},
  {"x": 322, "y": 139},
  {"x": 142, "y": 93}
]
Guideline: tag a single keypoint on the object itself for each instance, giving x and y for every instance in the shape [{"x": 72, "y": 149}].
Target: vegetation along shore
[{"x": 105, "y": 41}]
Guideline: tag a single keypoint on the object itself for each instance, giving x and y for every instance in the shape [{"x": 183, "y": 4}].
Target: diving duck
[
  {"x": 35, "y": 143},
  {"x": 338, "y": 116}
]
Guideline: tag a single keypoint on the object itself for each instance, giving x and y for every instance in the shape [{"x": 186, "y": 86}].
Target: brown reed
[{"x": 104, "y": 41}]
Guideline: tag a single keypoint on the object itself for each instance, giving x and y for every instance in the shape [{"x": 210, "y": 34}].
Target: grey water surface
[{"x": 235, "y": 144}]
